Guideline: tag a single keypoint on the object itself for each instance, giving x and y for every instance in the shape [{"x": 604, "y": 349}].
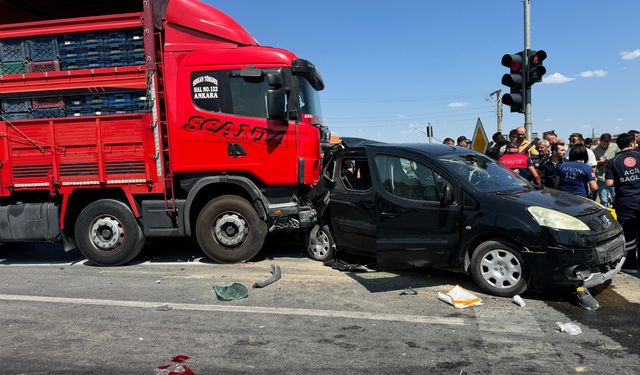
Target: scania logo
[{"x": 605, "y": 221}]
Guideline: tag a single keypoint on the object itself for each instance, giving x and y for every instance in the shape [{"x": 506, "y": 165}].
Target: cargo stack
[
  {"x": 13, "y": 56},
  {"x": 91, "y": 50},
  {"x": 101, "y": 49},
  {"x": 43, "y": 55}
]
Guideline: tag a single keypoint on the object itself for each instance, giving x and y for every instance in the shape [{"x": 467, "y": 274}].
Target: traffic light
[
  {"x": 535, "y": 69},
  {"x": 515, "y": 81}
]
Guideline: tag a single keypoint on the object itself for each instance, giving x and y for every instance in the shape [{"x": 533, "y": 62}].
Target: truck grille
[
  {"x": 125, "y": 167},
  {"x": 82, "y": 169},
  {"x": 36, "y": 170}
]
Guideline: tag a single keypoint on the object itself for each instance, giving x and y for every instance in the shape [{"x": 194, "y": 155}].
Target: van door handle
[
  {"x": 368, "y": 204},
  {"x": 389, "y": 215}
]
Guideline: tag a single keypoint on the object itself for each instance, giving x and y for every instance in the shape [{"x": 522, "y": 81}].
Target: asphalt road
[{"x": 60, "y": 315}]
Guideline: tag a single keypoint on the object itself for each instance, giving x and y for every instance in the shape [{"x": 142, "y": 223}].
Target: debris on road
[
  {"x": 519, "y": 301},
  {"x": 341, "y": 265},
  {"x": 459, "y": 298},
  {"x": 570, "y": 328},
  {"x": 177, "y": 366},
  {"x": 244, "y": 264},
  {"x": 231, "y": 292},
  {"x": 162, "y": 308},
  {"x": 408, "y": 292},
  {"x": 157, "y": 281},
  {"x": 276, "y": 274}
]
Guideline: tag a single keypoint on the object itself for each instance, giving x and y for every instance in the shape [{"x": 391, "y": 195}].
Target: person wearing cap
[
  {"x": 520, "y": 164},
  {"x": 464, "y": 142},
  {"x": 623, "y": 173},
  {"x": 448, "y": 141}
]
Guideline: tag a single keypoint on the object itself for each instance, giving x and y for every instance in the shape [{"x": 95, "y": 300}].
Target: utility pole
[
  {"x": 499, "y": 109},
  {"x": 525, "y": 59}
]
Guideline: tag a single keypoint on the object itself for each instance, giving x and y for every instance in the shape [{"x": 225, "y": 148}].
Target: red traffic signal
[
  {"x": 514, "y": 80},
  {"x": 535, "y": 69}
]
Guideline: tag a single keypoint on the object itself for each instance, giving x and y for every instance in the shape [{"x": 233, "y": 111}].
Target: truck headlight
[{"x": 556, "y": 220}]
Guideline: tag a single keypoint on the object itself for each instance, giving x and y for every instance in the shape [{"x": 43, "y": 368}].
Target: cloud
[
  {"x": 401, "y": 116},
  {"x": 457, "y": 104},
  {"x": 619, "y": 119},
  {"x": 557, "y": 79},
  {"x": 586, "y": 126},
  {"x": 630, "y": 55},
  {"x": 594, "y": 73}
]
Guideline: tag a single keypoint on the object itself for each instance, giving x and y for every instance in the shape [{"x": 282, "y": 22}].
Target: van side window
[
  {"x": 409, "y": 179},
  {"x": 355, "y": 175}
]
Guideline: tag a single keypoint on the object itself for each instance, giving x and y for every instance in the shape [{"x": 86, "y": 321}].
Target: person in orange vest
[{"x": 520, "y": 164}]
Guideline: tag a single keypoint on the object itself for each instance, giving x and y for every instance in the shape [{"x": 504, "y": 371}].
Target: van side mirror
[{"x": 447, "y": 196}]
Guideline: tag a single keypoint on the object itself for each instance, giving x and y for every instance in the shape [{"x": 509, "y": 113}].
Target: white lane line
[{"x": 242, "y": 309}]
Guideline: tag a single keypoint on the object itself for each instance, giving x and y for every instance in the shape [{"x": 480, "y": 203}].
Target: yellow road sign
[{"x": 480, "y": 142}]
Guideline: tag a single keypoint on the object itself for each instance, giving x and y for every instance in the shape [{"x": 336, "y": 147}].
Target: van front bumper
[{"x": 557, "y": 266}]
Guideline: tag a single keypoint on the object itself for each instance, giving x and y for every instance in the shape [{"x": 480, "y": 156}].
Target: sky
[{"x": 391, "y": 67}]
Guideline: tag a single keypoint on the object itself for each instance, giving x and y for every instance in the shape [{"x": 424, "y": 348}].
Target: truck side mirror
[
  {"x": 276, "y": 97},
  {"x": 276, "y": 104},
  {"x": 447, "y": 196}
]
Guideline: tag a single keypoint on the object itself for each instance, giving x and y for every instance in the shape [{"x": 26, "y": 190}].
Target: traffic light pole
[{"x": 527, "y": 88}]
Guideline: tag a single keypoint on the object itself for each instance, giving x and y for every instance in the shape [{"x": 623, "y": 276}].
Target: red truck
[{"x": 124, "y": 120}]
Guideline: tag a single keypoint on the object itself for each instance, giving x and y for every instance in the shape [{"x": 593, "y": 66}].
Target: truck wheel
[
  {"x": 108, "y": 234},
  {"x": 498, "y": 268},
  {"x": 229, "y": 230},
  {"x": 320, "y": 244}
]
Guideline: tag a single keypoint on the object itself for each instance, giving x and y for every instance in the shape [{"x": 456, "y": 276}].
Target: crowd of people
[{"x": 601, "y": 169}]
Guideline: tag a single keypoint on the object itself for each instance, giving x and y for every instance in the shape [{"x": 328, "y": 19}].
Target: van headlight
[{"x": 556, "y": 220}]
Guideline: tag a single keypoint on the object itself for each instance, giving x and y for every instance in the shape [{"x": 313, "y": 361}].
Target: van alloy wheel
[
  {"x": 499, "y": 269},
  {"x": 320, "y": 244}
]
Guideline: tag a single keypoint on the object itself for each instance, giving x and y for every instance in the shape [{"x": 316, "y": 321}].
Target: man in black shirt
[{"x": 623, "y": 173}]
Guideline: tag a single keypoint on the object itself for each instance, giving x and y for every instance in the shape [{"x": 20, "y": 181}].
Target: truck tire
[
  {"x": 229, "y": 230},
  {"x": 108, "y": 234},
  {"x": 320, "y": 244},
  {"x": 499, "y": 269}
]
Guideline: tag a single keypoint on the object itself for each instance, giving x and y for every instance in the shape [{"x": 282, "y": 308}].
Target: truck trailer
[{"x": 126, "y": 120}]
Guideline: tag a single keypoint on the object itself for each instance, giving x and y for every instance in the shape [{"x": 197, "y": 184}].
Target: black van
[{"x": 427, "y": 205}]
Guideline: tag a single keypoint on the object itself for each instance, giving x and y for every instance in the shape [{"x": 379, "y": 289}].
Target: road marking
[
  {"x": 519, "y": 321},
  {"x": 242, "y": 309}
]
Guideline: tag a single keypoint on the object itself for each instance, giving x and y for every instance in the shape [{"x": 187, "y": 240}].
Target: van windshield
[{"x": 484, "y": 174}]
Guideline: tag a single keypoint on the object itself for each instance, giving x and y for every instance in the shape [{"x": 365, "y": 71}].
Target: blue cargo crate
[
  {"x": 75, "y": 101},
  {"x": 114, "y": 36},
  {"x": 49, "y": 113},
  {"x": 16, "y": 105},
  {"x": 16, "y": 116},
  {"x": 13, "y": 50},
  {"x": 119, "y": 98},
  {"x": 96, "y": 99},
  {"x": 43, "y": 49},
  {"x": 120, "y": 109}
]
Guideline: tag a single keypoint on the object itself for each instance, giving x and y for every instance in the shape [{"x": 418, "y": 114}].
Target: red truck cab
[{"x": 226, "y": 152}]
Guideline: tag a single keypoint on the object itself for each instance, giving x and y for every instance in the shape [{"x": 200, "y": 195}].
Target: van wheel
[
  {"x": 229, "y": 230},
  {"x": 108, "y": 234},
  {"x": 499, "y": 269},
  {"x": 320, "y": 244}
]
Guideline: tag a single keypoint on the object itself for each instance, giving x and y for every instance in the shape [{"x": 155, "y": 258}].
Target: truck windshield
[
  {"x": 484, "y": 174},
  {"x": 309, "y": 98}
]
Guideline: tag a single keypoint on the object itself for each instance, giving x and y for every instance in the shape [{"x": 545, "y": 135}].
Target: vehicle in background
[
  {"x": 124, "y": 120},
  {"x": 428, "y": 205}
]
